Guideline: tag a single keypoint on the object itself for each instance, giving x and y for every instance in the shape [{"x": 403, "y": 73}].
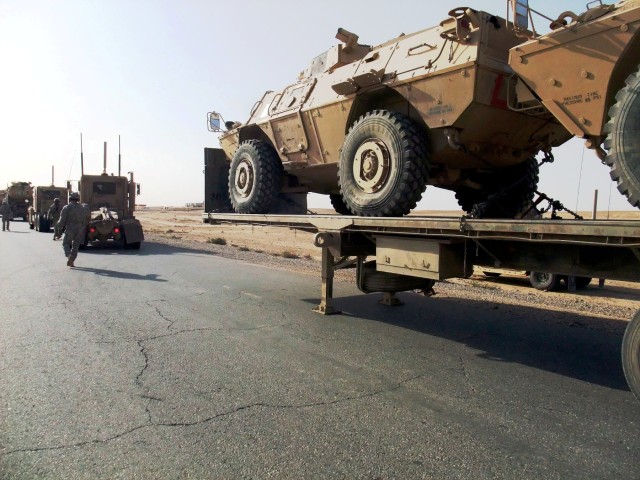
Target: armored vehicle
[
  {"x": 111, "y": 202},
  {"x": 43, "y": 198},
  {"x": 19, "y": 195},
  {"x": 466, "y": 105}
]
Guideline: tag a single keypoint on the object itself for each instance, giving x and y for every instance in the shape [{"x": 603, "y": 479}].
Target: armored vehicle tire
[
  {"x": 544, "y": 281},
  {"x": 254, "y": 177},
  {"x": 371, "y": 280},
  {"x": 383, "y": 165},
  {"x": 338, "y": 204},
  {"x": 623, "y": 140},
  {"x": 631, "y": 354},
  {"x": 507, "y": 202}
]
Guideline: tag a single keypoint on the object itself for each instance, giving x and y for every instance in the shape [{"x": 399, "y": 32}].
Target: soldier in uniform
[
  {"x": 54, "y": 215},
  {"x": 7, "y": 214},
  {"x": 73, "y": 219}
]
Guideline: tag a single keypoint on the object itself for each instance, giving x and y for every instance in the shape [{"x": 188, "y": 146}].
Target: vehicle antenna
[
  {"x": 104, "y": 168},
  {"x": 119, "y": 155},
  {"x": 81, "y": 157}
]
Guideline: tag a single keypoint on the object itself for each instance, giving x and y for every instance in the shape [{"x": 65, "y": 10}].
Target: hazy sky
[{"x": 150, "y": 71}]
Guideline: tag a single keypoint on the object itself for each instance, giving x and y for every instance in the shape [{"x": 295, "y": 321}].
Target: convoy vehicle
[
  {"x": 466, "y": 105},
  {"x": 43, "y": 198},
  {"x": 19, "y": 195},
  {"x": 111, "y": 202}
]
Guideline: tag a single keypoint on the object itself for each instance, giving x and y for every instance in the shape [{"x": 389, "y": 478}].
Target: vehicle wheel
[
  {"x": 506, "y": 192},
  {"x": 631, "y": 354},
  {"x": 384, "y": 165},
  {"x": 45, "y": 224},
  {"x": 371, "y": 280},
  {"x": 254, "y": 177},
  {"x": 544, "y": 280},
  {"x": 37, "y": 223},
  {"x": 582, "y": 282},
  {"x": 623, "y": 140},
  {"x": 338, "y": 204}
]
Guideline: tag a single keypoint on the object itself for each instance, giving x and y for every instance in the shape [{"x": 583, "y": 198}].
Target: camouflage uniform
[
  {"x": 54, "y": 215},
  {"x": 7, "y": 214},
  {"x": 73, "y": 219}
]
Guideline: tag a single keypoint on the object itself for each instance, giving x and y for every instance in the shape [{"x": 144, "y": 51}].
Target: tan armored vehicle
[
  {"x": 111, "y": 202},
  {"x": 19, "y": 196},
  {"x": 465, "y": 105},
  {"x": 43, "y": 198}
]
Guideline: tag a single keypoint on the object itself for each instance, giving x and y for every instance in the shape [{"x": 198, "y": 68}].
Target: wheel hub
[
  {"x": 244, "y": 179},
  {"x": 371, "y": 166}
]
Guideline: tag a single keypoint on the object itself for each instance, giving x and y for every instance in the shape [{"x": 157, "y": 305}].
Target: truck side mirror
[
  {"x": 520, "y": 13},
  {"x": 137, "y": 189},
  {"x": 213, "y": 124}
]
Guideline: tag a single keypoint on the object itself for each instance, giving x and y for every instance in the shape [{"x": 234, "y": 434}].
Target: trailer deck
[{"x": 412, "y": 251}]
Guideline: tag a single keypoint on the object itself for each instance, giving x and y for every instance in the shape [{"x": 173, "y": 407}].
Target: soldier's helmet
[
  {"x": 56, "y": 200},
  {"x": 74, "y": 196}
]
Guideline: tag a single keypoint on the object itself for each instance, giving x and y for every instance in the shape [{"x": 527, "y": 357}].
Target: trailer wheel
[
  {"x": 631, "y": 354},
  {"x": 254, "y": 177},
  {"x": 371, "y": 280},
  {"x": 37, "y": 223},
  {"x": 384, "y": 165},
  {"x": 338, "y": 204},
  {"x": 623, "y": 139},
  {"x": 506, "y": 192},
  {"x": 544, "y": 280}
]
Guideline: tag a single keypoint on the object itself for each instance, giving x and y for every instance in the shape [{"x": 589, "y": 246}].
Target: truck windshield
[{"x": 104, "y": 188}]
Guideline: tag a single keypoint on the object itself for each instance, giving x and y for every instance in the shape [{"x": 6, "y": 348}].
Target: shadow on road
[
  {"x": 115, "y": 274},
  {"x": 579, "y": 346},
  {"x": 147, "y": 248}
]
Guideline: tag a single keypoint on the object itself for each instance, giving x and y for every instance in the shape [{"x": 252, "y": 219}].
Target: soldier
[
  {"x": 7, "y": 214},
  {"x": 54, "y": 215},
  {"x": 73, "y": 219}
]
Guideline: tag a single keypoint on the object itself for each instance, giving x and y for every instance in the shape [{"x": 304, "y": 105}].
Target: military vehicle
[
  {"x": 43, "y": 198},
  {"x": 111, "y": 201},
  {"x": 466, "y": 105},
  {"x": 19, "y": 195}
]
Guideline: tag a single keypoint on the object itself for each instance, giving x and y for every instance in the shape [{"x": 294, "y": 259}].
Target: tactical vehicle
[
  {"x": 19, "y": 195},
  {"x": 42, "y": 199},
  {"x": 111, "y": 201},
  {"x": 466, "y": 105}
]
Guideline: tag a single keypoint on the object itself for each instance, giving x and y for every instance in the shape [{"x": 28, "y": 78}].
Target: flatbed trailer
[{"x": 414, "y": 251}]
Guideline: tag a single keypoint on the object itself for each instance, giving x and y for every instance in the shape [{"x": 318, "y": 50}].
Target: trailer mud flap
[{"x": 132, "y": 229}]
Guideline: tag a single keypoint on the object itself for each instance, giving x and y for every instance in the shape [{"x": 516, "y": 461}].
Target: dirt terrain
[{"x": 293, "y": 250}]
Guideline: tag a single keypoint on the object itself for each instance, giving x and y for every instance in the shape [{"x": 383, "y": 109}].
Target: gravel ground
[{"x": 618, "y": 300}]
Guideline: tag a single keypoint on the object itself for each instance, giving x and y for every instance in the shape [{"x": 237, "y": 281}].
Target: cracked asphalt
[{"x": 176, "y": 363}]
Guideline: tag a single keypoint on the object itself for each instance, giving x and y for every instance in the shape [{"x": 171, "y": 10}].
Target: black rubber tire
[
  {"x": 37, "y": 223},
  {"x": 45, "y": 225},
  {"x": 544, "y": 281},
  {"x": 401, "y": 187},
  {"x": 261, "y": 162},
  {"x": 376, "y": 281},
  {"x": 631, "y": 355},
  {"x": 623, "y": 139},
  {"x": 338, "y": 204},
  {"x": 513, "y": 202}
]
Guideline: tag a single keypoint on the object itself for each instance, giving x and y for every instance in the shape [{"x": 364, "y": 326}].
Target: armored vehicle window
[{"x": 104, "y": 188}]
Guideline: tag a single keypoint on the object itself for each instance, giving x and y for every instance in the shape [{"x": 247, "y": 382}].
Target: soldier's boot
[{"x": 70, "y": 261}]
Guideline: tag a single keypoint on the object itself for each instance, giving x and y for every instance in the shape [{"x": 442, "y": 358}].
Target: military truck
[
  {"x": 42, "y": 199},
  {"x": 111, "y": 201},
  {"x": 466, "y": 105},
  {"x": 19, "y": 195}
]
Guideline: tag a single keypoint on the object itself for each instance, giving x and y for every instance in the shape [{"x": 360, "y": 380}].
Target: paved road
[{"x": 172, "y": 363}]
